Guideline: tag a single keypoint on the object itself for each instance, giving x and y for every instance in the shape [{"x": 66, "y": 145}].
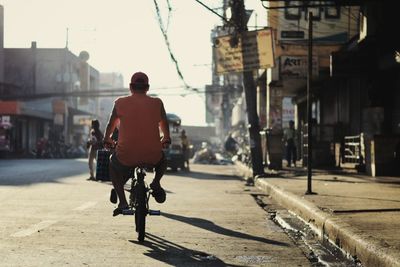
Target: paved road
[{"x": 50, "y": 215}]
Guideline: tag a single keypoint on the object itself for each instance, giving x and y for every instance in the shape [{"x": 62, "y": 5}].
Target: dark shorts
[{"x": 126, "y": 171}]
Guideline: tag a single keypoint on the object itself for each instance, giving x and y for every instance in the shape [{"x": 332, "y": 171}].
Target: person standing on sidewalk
[
  {"x": 94, "y": 143},
  {"x": 289, "y": 138}
]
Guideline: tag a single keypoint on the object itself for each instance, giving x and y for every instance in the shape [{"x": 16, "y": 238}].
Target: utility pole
[
  {"x": 239, "y": 19},
  {"x": 309, "y": 107}
]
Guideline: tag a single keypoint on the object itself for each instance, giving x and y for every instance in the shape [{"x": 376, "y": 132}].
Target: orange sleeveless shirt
[{"x": 139, "y": 134}]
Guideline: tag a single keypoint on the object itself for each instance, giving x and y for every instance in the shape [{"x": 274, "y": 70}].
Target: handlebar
[
  {"x": 109, "y": 145},
  {"x": 112, "y": 145}
]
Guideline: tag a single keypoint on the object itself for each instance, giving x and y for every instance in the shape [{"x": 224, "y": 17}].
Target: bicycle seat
[{"x": 144, "y": 166}]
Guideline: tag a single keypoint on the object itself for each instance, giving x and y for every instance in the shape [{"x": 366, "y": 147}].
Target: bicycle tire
[
  {"x": 140, "y": 224},
  {"x": 140, "y": 213}
]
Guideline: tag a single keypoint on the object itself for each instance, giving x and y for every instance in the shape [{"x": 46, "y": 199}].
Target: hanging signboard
[
  {"x": 331, "y": 24},
  {"x": 247, "y": 51}
]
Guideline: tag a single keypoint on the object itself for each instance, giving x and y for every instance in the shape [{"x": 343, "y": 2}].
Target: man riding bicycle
[{"x": 140, "y": 117}]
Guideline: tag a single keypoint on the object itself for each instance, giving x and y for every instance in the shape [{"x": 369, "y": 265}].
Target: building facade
[
  {"x": 333, "y": 26},
  {"x": 41, "y": 93},
  {"x": 108, "y": 81},
  {"x": 354, "y": 88},
  {"x": 365, "y": 75}
]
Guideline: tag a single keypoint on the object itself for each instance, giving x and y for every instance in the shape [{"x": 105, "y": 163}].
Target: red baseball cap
[{"x": 140, "y": 79}]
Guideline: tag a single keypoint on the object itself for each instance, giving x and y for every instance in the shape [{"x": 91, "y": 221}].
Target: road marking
[
  {"x": 85, "y": 205},
  {"x": 34, "y": 228}
]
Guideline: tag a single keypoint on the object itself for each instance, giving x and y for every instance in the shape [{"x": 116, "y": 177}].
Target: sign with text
[
  {"x": 5, "y": 122},
  {"x": 288, "y": 112},
  {"x": 296, "y": 66},
  {"x": 247, "y": 51}
]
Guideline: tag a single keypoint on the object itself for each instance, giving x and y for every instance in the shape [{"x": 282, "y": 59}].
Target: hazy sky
[{"x": 123, "y": 36}]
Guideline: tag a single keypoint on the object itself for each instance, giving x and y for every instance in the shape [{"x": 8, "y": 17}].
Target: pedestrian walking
[
  {"x": 94, "y": 143},
  {"x": 185, "y": 148},
  {"x": 289, "y": 138}
]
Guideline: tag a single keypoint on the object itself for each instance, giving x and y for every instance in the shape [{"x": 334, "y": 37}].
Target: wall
[
  {"x": 108, "y": 81},
  {"x": 19, "y": 69}
]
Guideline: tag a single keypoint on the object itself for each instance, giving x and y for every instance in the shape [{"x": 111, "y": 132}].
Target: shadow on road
[
  {"x": 177, "y": 255},
  {"x": 32, "y": 171},
  {"x": 207, "y": 175},
  {"x": 210, "y": 226}
]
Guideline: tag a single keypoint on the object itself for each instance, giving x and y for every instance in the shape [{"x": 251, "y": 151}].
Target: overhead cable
[
  {"x": 164, "y": 33},
  {"x": 216, "y": 13}
]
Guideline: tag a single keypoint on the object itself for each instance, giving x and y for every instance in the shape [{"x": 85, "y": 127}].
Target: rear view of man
[{"x": 140, "y": 117}]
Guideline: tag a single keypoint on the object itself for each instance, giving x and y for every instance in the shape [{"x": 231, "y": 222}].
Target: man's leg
[
  {"x": 158, "y": 191},
  {"x": 294, "y": 151},
  {"x": 187, "y": 158},
  {"x": 160, "y": 169},
  {"x": 288, "y": 156},
  {"x": 92, "y": 156},
  {"x": 118, "y": 179}
]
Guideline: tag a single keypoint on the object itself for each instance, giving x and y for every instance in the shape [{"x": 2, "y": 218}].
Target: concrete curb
[{"x": 358, "y": 244}]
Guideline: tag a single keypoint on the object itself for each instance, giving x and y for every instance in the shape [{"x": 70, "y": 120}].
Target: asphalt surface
[{"x": 51, "y": 215}]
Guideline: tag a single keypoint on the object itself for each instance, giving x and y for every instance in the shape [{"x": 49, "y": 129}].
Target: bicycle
[{"x": 139, "y": 200}]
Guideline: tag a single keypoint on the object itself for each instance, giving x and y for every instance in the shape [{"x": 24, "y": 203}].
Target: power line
[
  {"x": 210, "y": 9},
  {"x": 8, "y": 95},
  {"x": 169, "y": 14},
  {"x": 306, "y": 4},
  {"x": 167, "y": 43},
  {"x": 24, "y": 97}
]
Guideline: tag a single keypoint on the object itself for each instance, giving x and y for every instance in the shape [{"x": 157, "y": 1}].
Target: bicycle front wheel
[
  {"x": 140, "y": 218},
  {"x": 140, "y": 215}
]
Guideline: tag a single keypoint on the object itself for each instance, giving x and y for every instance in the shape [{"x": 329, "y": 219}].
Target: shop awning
[
  {"x": 75, "y": 111},
  {"x": 38, "y": 109}
]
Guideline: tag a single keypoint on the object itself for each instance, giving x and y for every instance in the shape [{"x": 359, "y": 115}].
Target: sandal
[
  {"x": 113, "y": 196},
  {"x": 158, "y": 192},
  {"x": 119, "y": 211}
]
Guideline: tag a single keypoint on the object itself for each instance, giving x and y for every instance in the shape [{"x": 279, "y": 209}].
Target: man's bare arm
[
  {"x": 112, "y": 122},
  {"x": 164, "y": 125}
]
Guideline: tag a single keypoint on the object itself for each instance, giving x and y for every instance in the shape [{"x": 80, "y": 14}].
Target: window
[
  {"x": 315, "y": 9},
  {"x": 292, "y": 13},
  {"x": 332, "y": 12}
]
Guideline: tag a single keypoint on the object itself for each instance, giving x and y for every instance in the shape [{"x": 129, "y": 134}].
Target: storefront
[
  {"x": 5, "y": 134},
  {"x": 22, "y": 124}
]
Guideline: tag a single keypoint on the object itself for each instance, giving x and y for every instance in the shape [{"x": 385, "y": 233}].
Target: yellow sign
[
  {"x": 82, "y": 120},
  {"x": 247, "y": 51}
]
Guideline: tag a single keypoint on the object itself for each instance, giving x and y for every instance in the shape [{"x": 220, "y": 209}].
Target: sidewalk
[{"x": 360, "y": 214}]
